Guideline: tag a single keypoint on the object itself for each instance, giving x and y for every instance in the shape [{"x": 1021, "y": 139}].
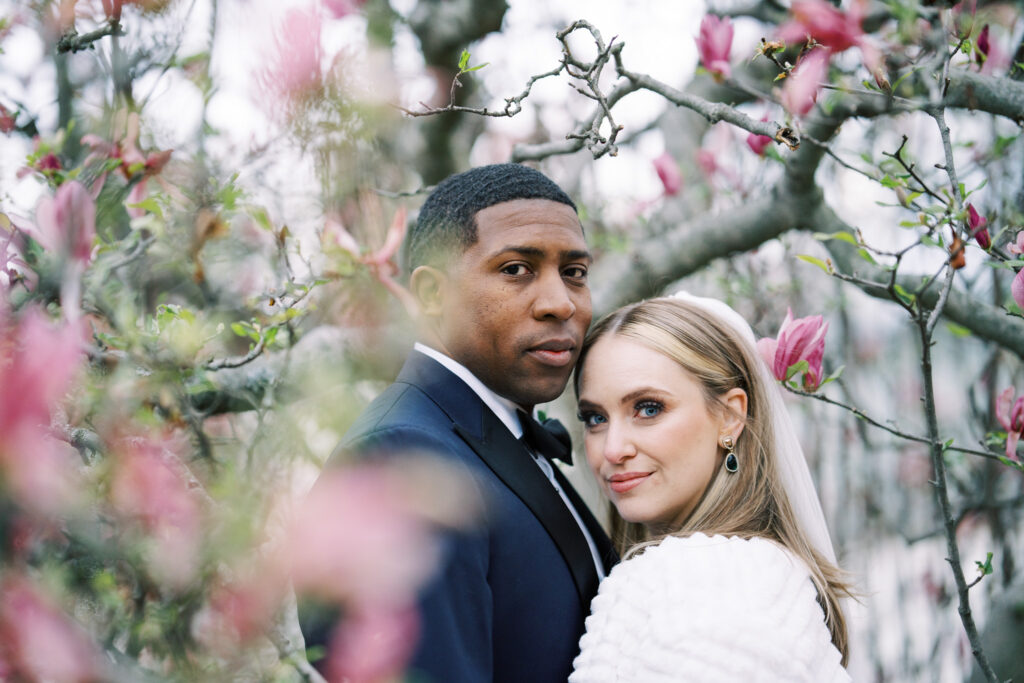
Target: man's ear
[{"x": 427, "y": 285}]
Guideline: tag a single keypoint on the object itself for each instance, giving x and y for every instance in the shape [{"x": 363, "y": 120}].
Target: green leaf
[
  {"x": 239, "y": 329},
  {"x": 795, "y": 368},
  {"x": 958, "y": 330},
  {"x": 149, "y": 205},
  {"x": 864, "y": 254},
  {"x": 842, "y": 236},
  {"x": 463, "y": 60},
  {"x": 815, "y": 262},
  {"x": 985, "y": 568},
  {"x": 834, "y": 376},
  {"x": 475, "y": 68},
  {"x": 890, "y": 182},
  {"x": 905, "y": 296}
]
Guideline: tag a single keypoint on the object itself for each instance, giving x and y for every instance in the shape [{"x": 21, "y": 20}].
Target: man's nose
[{"x": 553, "y": 298}]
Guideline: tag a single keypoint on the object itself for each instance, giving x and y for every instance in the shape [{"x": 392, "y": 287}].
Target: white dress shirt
[{"x": 505, "y": 410}]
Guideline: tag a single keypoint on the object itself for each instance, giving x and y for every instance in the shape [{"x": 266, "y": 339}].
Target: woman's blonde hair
[{"x": 750, "y": 502}]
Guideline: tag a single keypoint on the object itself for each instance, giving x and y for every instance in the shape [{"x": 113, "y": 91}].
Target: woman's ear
[
  {"x": 427, "y": 286},
  {"x": 735, "y": 418}
]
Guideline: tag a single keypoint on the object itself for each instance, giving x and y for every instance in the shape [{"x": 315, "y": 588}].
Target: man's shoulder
[{"x": 403, "y": 417}]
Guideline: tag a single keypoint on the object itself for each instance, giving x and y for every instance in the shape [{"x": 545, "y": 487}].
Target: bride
[{"x": 732, "y": 577}]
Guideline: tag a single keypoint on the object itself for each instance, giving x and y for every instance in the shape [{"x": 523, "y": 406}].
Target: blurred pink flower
[
  {"x": 133, "y": 161},
  {"x": 976, "y": 225},
  {"x": 372, "y": 645},
  {"x": 800, "y": 339},
  {"x": 37, "y": 641},
  {"x": 37, "y": 364},
  {"x": 6, "y": 120},
  {"x": 342, "y": 8},
  {"x": 707, "y": 162},
  {"x": 1010, "y": 414},
  {"x": 150, "y": 486},
  {"x": 982, "y": 45},
  {"x": 396, "y": 550},
  {"x": 758, "y": 143},
  {"x": 829, "y": 26},
  {"x": 800, "y": 90},
  {"x": 713, "y": 45},
  {"x": 48, "y": 162},
  {"x": 1017, "y": 288},
  {"x": 380, "y": 262},
  {"x": 293, "y": 69},
  {"x": 1017, "y": 245},
  {"x": 66, "y": 222},
  {"x": 668, "y": 172}
]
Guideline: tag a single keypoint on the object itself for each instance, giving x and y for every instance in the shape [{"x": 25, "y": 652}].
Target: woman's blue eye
[
  {"x": 649, "y": 409},
  {"x": 591, "y": 419}
]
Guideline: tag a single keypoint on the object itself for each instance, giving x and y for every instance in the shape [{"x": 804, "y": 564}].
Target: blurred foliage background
[{"x": 201, "y": 206}]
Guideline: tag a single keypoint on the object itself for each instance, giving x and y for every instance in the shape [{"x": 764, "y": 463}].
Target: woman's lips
[{"x": 620, "y": 483}]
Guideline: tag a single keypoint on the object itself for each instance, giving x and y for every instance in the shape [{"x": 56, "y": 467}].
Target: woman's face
[{"x": 650, "y": 439}]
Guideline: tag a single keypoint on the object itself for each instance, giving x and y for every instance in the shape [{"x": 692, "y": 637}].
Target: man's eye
[
  {"x": 649, "y": 409},
  {"x": 514, "y": 269},
  {"x": 576, "y": 272}
]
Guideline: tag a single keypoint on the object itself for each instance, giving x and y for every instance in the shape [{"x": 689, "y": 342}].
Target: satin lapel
[
  {"x": 510, "y": 461},
  {"x": 605, "y": 549}
]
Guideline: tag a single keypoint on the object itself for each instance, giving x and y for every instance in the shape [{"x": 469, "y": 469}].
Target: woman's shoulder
[
  {"x": 720, "y": 608},
  {"x": 700, "y": 558}
]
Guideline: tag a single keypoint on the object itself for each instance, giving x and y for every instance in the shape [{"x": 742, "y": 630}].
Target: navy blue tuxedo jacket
[{"x": 509, "y": 602}]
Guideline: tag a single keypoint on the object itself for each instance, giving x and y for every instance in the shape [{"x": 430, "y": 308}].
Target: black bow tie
[{"x": 550, "y": 439}]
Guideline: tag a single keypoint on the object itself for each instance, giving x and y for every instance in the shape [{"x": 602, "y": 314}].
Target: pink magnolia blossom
[
  {"x": 668, "y": 173},
  {"x": 37, "y": 641},
  {"x": 800, "y": 89},
  {"x": 708, "y": 162},
  {"x": 1017, "y": 288},
  {"x": 6, "y": 120},
  {"x": 1017, "y": 245},
  {"x": 134, "y": 163},
  {"x": 342, "y": 8},
  {"x": 37, "y": 364},
  {"x": 1011, "y": 416},
  {"x": 713, "y": 45},
  {"x": 976, "y": 225},
  {"x": 293, "y": 69},
  {"x": 150, "y": 485},
  {"x": 982, "y": 45},
  {"x": 828, "y": 25},
  {"x": 397, "y": 552},
  {"x": 381, "y": 262},
  {"x": 372, "y": 645},
  {"x": 66, "y": 222},
  {"x": 802, "y": 339},
  {"x": 758, "y": 143}
]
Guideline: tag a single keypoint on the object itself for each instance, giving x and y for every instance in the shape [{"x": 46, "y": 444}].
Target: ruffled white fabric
[{"x": 708, "y": 609}]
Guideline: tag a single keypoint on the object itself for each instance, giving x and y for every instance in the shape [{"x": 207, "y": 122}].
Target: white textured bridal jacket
[{"x": 708, "y": 610}]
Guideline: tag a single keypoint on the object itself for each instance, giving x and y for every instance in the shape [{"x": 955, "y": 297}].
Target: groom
[{"x": 498, "y": 266}]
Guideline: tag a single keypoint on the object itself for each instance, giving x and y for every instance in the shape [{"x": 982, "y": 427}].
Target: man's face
[{"x": 516, "y": 303}]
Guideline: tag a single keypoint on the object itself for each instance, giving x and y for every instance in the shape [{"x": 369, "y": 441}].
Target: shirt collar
[{"x": 499, "y": 405}]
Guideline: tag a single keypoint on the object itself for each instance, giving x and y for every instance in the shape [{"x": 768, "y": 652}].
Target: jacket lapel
[
  {"x": 512, "y": 464},
  {"x": 510, "y": 461}
]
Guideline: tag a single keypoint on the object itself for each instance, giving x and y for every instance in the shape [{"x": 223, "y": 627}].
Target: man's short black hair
[{"x": 447, "y": 221}]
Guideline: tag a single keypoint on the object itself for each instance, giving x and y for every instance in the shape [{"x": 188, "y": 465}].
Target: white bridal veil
[{"x": 793, "y": 470}]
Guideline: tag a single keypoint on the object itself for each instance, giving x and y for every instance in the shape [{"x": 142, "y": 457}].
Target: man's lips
[
  {"x": 555, "y": 352},
  {"x": 620, "y": 483}
]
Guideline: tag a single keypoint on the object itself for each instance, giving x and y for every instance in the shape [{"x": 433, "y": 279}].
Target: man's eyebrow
[{"x": 536, "y": 252}]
